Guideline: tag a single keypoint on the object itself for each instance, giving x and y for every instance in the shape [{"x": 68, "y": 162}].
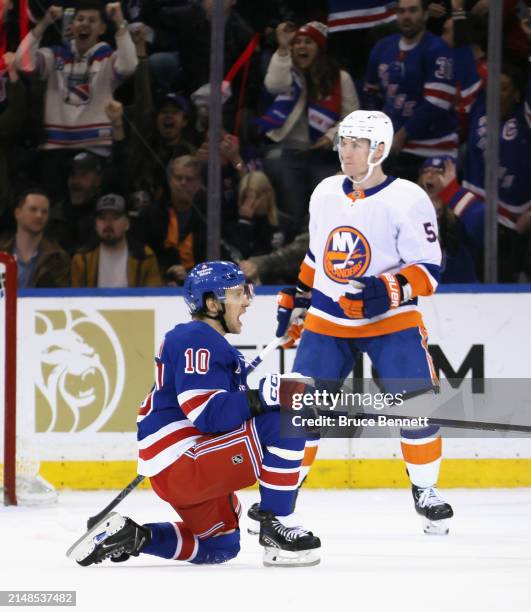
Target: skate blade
[
  {"x": 435, "y": 527},
  {"x": 86, "y": 544},
  {"x": 275, "y": 557}
]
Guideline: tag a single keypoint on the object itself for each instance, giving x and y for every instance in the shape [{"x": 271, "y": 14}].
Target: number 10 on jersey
[{"x": 197, "y": 361}]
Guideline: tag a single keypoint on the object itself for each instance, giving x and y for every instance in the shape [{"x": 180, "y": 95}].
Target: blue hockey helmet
[{"x": 211, "y": 277}]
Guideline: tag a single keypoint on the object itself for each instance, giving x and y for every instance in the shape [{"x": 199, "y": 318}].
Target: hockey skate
[
  {"x": 115, "y": 537},
  {"x": 256, "y": 515},
  {"x": 434, "y": 510},
  {"x": 287, "y": 546}
]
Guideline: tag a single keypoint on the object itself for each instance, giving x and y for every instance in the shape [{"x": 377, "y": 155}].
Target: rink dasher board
[{"x": 107, "y": 340}]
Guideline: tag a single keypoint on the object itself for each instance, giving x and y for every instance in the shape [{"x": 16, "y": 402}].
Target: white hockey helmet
[{"x": 373, "y": 125}]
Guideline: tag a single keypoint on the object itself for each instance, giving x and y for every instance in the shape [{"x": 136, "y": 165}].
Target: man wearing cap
[
  {"x": 460, "y": 218},
  {"x": 168, "y": 142},
  {"x": 72, "y": 219},
  {"x": 114, "y": 260},
  {"x": 438, "y": 178},
  {"x": 142, "y": 158},
  {"x": 172, "y": 117}
]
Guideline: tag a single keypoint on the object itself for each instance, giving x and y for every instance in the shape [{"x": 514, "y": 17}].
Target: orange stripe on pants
[
  {"x": 421, "y": 454},
  {"x": 310, "y": 453},
  {"x": 424, "y": 335}
]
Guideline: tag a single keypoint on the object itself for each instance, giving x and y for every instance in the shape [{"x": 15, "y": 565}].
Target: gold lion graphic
[{"x": 72, "y": 376}]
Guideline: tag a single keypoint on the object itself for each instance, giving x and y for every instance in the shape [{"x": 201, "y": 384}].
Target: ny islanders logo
[{"x": 347, "y": 254}]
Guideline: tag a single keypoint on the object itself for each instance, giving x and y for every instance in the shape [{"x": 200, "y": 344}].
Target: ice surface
[{"x": 374, "y": 557}]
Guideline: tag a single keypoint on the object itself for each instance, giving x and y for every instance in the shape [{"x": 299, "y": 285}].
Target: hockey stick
[
  {"x": 121, "y": 496},
  {"x": 275, "y": 343},
  {"x": 458, "y": 424},
  {"x": 452, "y": 423}
]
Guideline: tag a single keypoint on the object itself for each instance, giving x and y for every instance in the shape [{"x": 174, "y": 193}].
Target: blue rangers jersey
[
  {"x": 515, "y": 152},
  {"x": 458, "y": 266},
  {"x": 467, "y": 79},
  {"x": 359, "y": 14},
  {"x": 470, "y": 210},
  {"x": 418, "y": 89},
  {"x": 199, "y": 388}
]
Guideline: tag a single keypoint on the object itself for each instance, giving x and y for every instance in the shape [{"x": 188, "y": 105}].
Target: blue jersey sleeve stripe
[{"x": 434, "y": 270}]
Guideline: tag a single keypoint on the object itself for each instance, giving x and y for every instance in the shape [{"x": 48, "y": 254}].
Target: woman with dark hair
[{"x": 312, "y": 95}]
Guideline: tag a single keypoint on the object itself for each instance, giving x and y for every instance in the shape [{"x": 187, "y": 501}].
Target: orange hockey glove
[
  {"x": 376, "y": 295},
  {"x": 294, "y": 332}
]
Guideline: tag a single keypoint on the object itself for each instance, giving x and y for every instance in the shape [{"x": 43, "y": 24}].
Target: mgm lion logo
[{"x": 82, "y": 371}]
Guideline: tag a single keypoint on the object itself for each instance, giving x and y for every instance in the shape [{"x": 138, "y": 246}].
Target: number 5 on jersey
[
  {"x": 431, "y": 235},
  {"x": 197, "y": 361}
]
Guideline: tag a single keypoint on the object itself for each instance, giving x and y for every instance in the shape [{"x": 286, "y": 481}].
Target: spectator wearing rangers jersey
[
  {"x": 441, "y": 181},
  {"x": 514, "y": 199},
  {"x": 465, "y": 204},
  {"x": 79, "y": 77},
  {"x": 202, "y": 434},
  {"x": 410, "y": 75},
  {"x": 469, "y": 62},
  {"x": 460, "y": 217},
  {"x": 373, "y": 251}
]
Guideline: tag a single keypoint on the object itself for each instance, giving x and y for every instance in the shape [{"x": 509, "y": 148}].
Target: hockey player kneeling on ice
[
  {"x": 373, "y": 251},
  {"x": 202, "y": 435}
]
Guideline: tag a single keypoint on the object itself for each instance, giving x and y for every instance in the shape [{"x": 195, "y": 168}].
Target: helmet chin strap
[
  {"x": 219, "y": 317},
  {"x": 371, "y": 165}
]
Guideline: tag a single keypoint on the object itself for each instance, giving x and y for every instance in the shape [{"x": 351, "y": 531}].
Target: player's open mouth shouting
[{"x": 237, "y": 301}]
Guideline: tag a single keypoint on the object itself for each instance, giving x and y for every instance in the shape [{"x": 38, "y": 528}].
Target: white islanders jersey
[{"x": 388, "y": 228}]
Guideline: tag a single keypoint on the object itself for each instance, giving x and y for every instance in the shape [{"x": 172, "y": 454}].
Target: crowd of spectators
[{"x": 104, "y": 130}]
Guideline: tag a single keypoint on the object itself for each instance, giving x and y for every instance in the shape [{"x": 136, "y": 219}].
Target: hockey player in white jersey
[{"x": 373, "y": 251}]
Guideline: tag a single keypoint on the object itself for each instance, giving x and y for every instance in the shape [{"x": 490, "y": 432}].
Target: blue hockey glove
[
  {"x": 376, "y": 295},
  {"x": 288, "y": 301}
]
